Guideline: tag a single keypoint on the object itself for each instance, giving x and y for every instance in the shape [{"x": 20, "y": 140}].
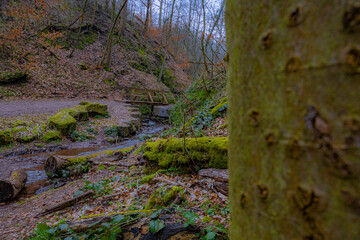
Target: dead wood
[
  {"x": 66, "y": 203},
  {"x": 218, "y": 174},
  {"x": 12, "y": 184}
]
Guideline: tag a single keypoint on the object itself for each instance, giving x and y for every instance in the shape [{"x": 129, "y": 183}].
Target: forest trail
[{"x": 22, "y": 107}]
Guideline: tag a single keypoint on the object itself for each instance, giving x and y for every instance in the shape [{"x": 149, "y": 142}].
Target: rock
[
  {"x": 13, "y": 77},
  {"x": 162, "y": 111},
  {"x": 24, "y": 134},
  {"x": 124, "y": 130},
  {"x": 111, "y": 139},
  {"x": 79, "y": 112},
  {"x": 63, "y": 122},
  {"x": 95, "y": 108},
  {"x": 50, "y": 136},
  {"x": 6, "y": 137},
  {"x": 220, "y": 109}
]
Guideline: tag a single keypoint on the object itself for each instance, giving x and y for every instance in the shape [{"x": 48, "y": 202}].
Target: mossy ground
[{"x": 164, "y": 196}]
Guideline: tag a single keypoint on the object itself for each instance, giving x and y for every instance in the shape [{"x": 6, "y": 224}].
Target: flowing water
[{"x": 37, "y": 181}]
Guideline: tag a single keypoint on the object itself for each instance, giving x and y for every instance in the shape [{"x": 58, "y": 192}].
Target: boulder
[
  {"x": 79, "y": 112},
  {"x": 24, "y": 134},
  {"x": 63, "y": 122},
  {"x": 6, "y": 137},
  {"x": 50, "y": 136},
  {"x": 124, "y": 130},
  {"x": 95, "y": 108}
]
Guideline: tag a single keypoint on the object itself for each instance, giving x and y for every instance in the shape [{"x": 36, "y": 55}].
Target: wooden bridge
[{"x": 143, "y": 96}]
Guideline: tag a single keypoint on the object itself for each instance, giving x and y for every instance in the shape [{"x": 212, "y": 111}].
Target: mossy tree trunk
[{"x": 295, "y": 119}]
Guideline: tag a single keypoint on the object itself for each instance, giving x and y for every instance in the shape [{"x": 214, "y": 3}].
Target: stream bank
[{"x": 32, "y": 159}]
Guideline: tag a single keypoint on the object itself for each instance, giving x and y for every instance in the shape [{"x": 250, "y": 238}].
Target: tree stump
[{"x": 12, "y": 184}]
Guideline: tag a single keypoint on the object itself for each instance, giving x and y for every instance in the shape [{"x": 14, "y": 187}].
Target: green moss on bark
[{"x": 201, "y": 152}]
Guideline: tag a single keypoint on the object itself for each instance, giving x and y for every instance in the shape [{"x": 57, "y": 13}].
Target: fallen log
[
  {"x": 65, "y": 204},
  {"x": 54, "y": 164},
  {"x": 221, "y": 175},
  {"x": 12, "y": 184}
]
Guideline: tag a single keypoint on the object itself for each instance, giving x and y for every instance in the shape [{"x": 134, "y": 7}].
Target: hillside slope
[{"x": 136, "y": 61}]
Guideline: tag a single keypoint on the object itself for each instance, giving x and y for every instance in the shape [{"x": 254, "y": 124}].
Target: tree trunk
[
  {"x": 123, "y": 19},
  {"x": 160, "y": 13},
  {"x": 108, "y": 48},
  {"x": 147, "y": 18},
  {"x": 203, "y": 38},
  {"x": 12, "y": 184},
  {"x": 294, "y": 119}
]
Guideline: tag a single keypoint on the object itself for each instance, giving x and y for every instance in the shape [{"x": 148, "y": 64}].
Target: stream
[{"x": 38, "y": 182}]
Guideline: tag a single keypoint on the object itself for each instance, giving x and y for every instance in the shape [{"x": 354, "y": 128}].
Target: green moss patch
[
  {"x": 79, "y": 112},
  {"x": 63, "y": 122},
  {"x": 221, "y": 108},
  {"x": 50, "y": 136},
  {"x": 24, "y": 134},
  {"x": 95, "y": 108},
  {"x": 6, "y": 137},
  {"x": 164, "y": 196},
  {"x": 201, "y": 152},
  {"x": 13, "y": 77}
]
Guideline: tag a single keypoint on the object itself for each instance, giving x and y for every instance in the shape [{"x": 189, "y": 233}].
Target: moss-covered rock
[
  {"x": 225, "y": 125},
  {"x": 201, "y": 152},
  {"x": 95, "y": 108},
  {"x": 124, "y": 130},
  {"x": 164, "y": 196},
  {"x": 6, "y": 137},
  {"x": 220, "y": 109},
  {"x": 24, "y": 134},
  {"x": 63, "y": 122},
  {"x": 23, "y": 123},
  {"x": 50, "y": 136},
  {"x": 79, "y": 112}
]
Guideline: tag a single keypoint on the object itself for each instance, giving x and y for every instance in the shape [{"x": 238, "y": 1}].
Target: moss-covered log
[
  {"x": 12, "y": 184},
  {"x": 195, "y": 152},
  {"x": 54, "y": 164},
  {"x": 294, "y": 109}
]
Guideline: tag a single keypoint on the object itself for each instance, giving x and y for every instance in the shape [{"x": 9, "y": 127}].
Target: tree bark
[
  {"x": 11, "y": 185},
  {"x": 123, "y": 19},
  {"x": 147, "y": 18},
  {"x": 294, "y": 119}
]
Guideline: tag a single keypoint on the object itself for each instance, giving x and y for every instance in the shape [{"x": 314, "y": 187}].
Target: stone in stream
[
  {"x": 162, "y": 111},
  {"x": 11, "y": 184}
]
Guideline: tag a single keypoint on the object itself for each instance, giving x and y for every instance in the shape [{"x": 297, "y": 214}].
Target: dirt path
[{"x": 16, "y": 108}]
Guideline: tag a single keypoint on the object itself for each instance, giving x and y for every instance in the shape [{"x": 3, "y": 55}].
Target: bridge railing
[{"x": 143, "y": 96}]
